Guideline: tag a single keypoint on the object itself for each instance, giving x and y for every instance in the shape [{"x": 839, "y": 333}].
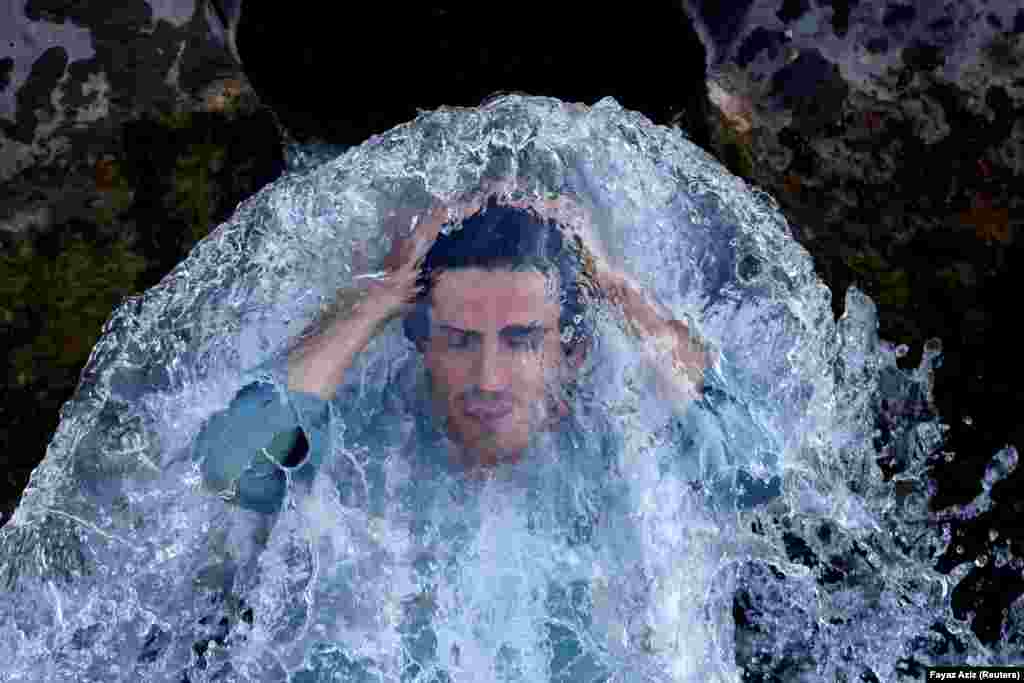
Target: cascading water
[{"x": 776, "y": 529}]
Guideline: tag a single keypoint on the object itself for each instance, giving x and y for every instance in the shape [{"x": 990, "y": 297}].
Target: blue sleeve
[{"x": 245, "y": 450}]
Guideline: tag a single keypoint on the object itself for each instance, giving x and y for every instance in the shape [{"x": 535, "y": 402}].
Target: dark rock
[
  {"x": 84, "y": 201},
  {"x": 877, "y": 45},
  {"x": 722, "y": 23},
  {"x": 841, "y": 15},
  {"x": 760, "y": 39},
  {"x": 449, "y": 55},
  {"x": 6, "y": 67},
  {"x": 893, "y": 144},
  {"x": 792, "y": 10},
  {"x": 810, "y": 86},
  {"x": 897, "y": 14}
]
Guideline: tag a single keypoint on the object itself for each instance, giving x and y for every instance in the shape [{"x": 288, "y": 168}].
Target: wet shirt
[{"x": 269, "y": 435}]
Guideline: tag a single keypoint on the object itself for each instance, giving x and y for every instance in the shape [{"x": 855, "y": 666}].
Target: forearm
[
  {"x": 317, "y": 365},
  {"x": 675, "y": 354}
]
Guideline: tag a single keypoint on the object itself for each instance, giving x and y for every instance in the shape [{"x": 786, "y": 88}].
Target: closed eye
[
  {"x": 516, "y": 337},
  {"x": 525, "y": 343},
  {"x": 458, "y": 339},
  {"x": 524, "y": 337}
]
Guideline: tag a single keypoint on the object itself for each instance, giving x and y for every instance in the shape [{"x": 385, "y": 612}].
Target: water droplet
[
  {"x": 968, "y": 420},
  {"x": 981, "y": 560},
  {"x": 959, "y": 550},
  {"x": 993, "y": 535},
  {"x": 948, "y": 457}
]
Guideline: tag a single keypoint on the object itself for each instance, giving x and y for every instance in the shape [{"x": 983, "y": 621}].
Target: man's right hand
[
  {"x": 391, "y": 292},
  {"x": 360, "y": 311}
]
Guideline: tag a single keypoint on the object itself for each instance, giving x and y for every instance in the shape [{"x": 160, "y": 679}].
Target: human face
[{"x": 493, "y": 353}]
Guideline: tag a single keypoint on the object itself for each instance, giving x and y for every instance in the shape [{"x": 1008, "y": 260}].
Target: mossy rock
[
  {"x": 734, "y": 147},
  {"x": 116, "y": 193},
  {"x": 866, "y": 262},
  {"x": 195, "y": 190},
  {"x": 72, "y": 295},
  {"x": 894, "y": 289}
]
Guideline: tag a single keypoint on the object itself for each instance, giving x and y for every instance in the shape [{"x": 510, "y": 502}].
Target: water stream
[{"x": 778, "y": 526}]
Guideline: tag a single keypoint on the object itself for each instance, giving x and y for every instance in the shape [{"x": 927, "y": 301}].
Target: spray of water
[{"x": 775, "y": 529}]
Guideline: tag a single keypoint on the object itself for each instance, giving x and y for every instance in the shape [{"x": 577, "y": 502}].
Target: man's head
[{"x": 501, "y": 325}]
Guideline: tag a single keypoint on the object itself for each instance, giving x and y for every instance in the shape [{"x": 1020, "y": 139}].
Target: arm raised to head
[{"x": 317, "y": 365}]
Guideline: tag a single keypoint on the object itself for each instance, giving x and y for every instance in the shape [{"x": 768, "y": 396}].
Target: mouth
[{"x": 489, "y": 413}]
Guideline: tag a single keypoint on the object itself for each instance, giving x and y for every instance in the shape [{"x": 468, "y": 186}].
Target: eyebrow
[{"x": 507, "y": 331}]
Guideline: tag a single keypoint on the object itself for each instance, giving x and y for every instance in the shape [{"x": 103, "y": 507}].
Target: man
[{"x": 498, "y": 311}]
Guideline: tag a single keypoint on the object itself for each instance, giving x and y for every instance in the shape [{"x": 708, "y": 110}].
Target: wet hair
[{"x": 505, "y": 238}]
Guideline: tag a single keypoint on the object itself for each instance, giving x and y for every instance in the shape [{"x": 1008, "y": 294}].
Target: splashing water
[{"x": 752, "y": 530}]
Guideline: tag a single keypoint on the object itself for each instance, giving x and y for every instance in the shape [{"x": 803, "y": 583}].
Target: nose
[{"x": 492, "y": 370}]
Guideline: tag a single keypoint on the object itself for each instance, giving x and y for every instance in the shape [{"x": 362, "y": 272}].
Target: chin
[{"x": 486, "y": 457}]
